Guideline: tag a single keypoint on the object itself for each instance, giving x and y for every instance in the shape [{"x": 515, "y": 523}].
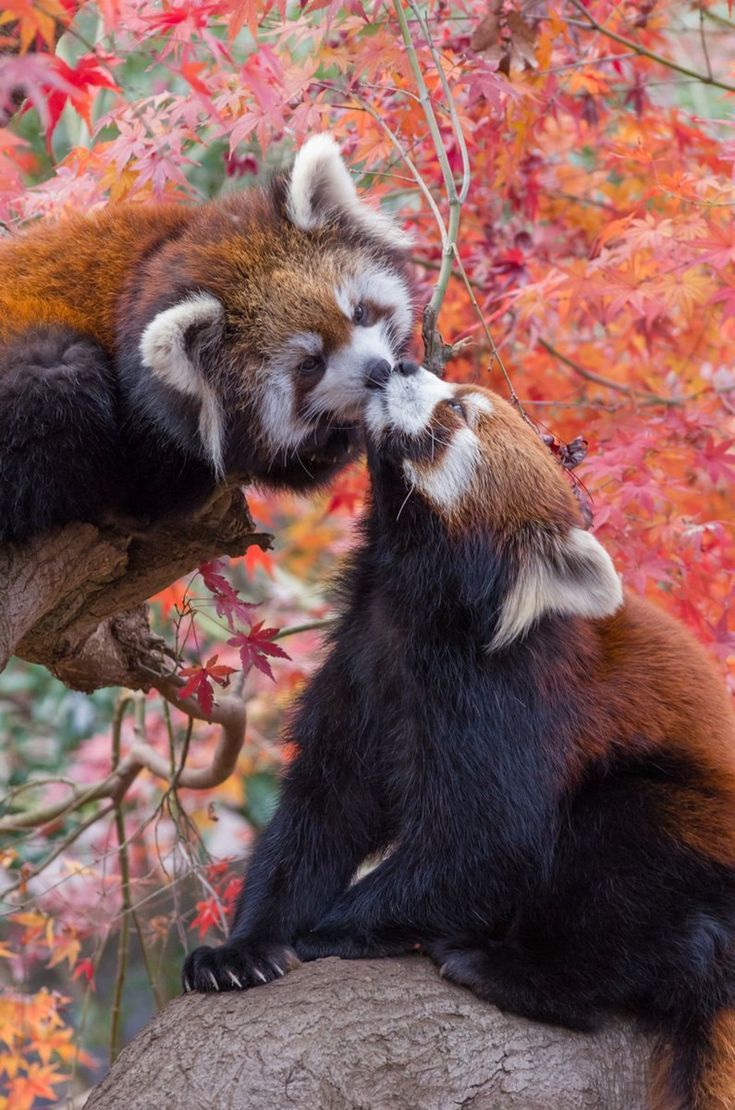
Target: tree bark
[
  {"x": 74, "y": 600},
  {"x": 373, "y": 1035}
]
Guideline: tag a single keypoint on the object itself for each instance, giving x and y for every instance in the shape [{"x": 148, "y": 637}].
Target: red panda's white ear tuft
[
  {"x": 171, "y": 346},
  {"x": 576, "y": 577},
  {"x": 321, "y": 191}
]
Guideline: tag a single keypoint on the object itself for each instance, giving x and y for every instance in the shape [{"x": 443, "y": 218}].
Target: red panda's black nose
[
  {"x": 407, "y": 368},
  {"x": 377, "y": 372}
]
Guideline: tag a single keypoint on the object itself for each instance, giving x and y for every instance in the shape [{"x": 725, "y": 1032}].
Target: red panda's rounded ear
[
  {"x": 320, "y": 191},
  {"x": 572, "y": 577},
  {"x": 177, "y": 346}
]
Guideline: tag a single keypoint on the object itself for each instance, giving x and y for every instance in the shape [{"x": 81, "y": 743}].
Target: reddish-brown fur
[
  {"x": 73, "y": 272},
  {"x": 88, "y": 271}
]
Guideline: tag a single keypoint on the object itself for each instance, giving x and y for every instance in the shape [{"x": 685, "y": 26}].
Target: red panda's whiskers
[{"x": 412, "y": 489}]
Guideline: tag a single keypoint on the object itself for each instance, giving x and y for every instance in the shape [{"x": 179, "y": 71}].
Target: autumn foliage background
[{"x": 596, "y": 250}]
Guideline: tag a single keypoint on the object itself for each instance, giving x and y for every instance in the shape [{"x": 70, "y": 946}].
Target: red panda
[
  {"x": 149, "y": 351},
  {"x": 546, "y": 762}
]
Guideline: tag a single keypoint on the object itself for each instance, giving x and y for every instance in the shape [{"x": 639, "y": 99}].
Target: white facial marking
[
  {"x": 339, "y": 392},
  {"x": 387, "y": 290},
  {"x": 300, "y": 346},
  {"x": 280, "y": 425},
  {"x": 446, "y": 481},
  {"x": 406, "y": 403},
  {"x": 346, "y": 301},
  {"x": 479, "y": 401},
  {"x": 579, "y": 579},
  {"x": 163, "y": 350},
  {"x": 321, "y": 188},
  {"x": 342, "y": 389}
]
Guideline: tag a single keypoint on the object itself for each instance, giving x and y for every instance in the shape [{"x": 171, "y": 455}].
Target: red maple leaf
[
  {"x": 718, "y": 460},
  {"x": 255, "y": 557},
  {"x": 231, "y": 893},
  {"x": 227, "y": 601},
  {"x": 200, "y": 679},
  {"x": 85, "y": 968},
  {"x": 208, "y": 916},
  {"x": 82, "y": 82},
  {"x": 255, "y": 646}
]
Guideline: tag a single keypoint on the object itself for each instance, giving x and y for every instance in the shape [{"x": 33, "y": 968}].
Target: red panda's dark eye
[
  {"x": 457, "y": 406},
  {"x": 361, "y": 315},
  {"x": 311, "y": 365}
]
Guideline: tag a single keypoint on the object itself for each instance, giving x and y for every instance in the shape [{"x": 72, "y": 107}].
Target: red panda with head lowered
[
  {"x": 546, "y": 762},
  {"x": 149, "y": 351}
]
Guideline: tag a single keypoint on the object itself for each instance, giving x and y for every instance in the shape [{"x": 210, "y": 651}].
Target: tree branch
[
  {"x": 74, "y": 600},
  {"x": 644, "y": 395},
  {"x": 369, "y": 1034},
  {"x": 644, "y": 52}
]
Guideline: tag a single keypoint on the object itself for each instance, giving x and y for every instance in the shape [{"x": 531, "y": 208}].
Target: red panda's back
[
  {"x": 655, "y": 690},
  {"x": 72, "y": 272}
]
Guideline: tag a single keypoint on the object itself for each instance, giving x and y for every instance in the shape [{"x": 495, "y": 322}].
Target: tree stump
[{"x": 369, "y": 1034}]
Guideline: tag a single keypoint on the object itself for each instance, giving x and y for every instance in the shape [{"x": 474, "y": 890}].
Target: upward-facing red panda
[
  {"x": 548, "y": 762},
  {"x": 147, "y": 351}
]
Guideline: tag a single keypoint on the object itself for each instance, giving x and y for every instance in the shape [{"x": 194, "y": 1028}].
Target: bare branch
[
  {"x": 644, "y": 395},
  {"x": 644, "y": 52}
]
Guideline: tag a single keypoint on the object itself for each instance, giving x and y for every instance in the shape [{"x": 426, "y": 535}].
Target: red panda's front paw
[{"x": 236, "y": 966}]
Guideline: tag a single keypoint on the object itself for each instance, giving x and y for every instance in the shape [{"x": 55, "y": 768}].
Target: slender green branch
[
  {"x": 451, "y": 103},
  {"x": 455, "y": 204},
  {"x": 644, "y": 52},
  {"x": 124, "y": 866},
  {"x": 307, "y": 626}
]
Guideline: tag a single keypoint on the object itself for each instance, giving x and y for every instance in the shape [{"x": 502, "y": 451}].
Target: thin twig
[
  {"x": 61, "y": 847},
  {"x": 644, "y": 52},
  {"x": 645, "y": 395},
  {"x": 367, "y": 107},
  {"x": 703, "y": 40},
  {"x": 514, "y": 398}
]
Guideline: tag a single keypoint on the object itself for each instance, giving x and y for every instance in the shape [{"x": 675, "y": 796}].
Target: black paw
[
  {"x": 321, "y": 943},
  {"x": 317, "y": 946},
  {"x": 466, "y": 966},
  {"x": 235, "y": 966}
]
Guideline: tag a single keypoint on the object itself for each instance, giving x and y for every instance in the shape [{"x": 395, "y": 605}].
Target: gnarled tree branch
[{"x": 74, "y": 600}]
